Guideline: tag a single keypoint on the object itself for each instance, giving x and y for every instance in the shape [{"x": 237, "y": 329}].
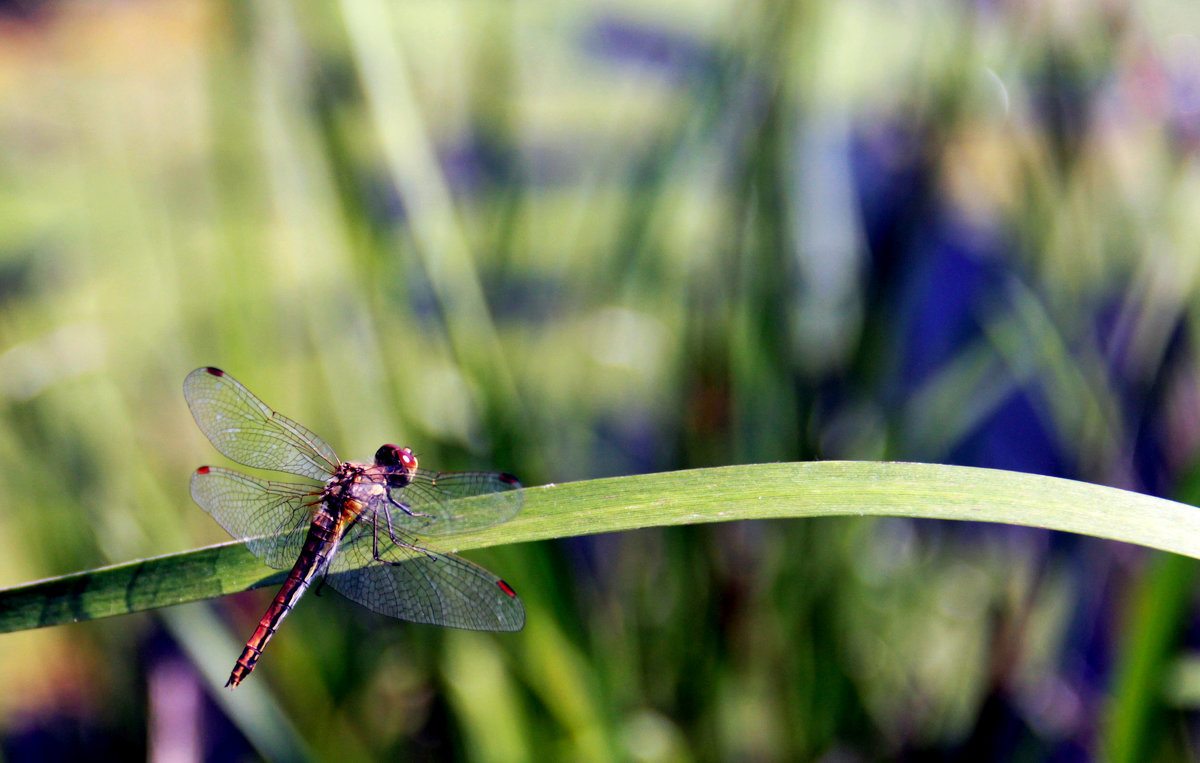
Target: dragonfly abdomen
[{"x": 318, "y": 549}]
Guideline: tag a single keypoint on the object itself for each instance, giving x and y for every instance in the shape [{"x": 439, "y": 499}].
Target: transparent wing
[
  {"x": 449, "y": 503},
  {"x": 246, "y": 430},
  {"x": 271, "y": 517},
  {"x": 422, "y": 586}
]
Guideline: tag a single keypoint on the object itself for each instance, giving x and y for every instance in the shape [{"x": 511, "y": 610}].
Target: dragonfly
[{"x": 359, "y": 527}]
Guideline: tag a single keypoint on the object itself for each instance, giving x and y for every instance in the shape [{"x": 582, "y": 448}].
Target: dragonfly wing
[
  {"x": 245, "y": 429},
  {"x": 449, "y": 503},
  {"x": 421, "y": 585},
  {"x": 271, "y": 517}
]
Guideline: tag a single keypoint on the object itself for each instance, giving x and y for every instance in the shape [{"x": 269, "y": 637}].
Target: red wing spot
[
  {"x": 506, "y": 588},
  {"x": 202, "y": 470},
  {"x": 508, "y": 479},
  {"x": 215, "y": 371}
]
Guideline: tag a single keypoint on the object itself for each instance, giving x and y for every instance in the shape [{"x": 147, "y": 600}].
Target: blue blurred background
[{"x": 573, "y": 240}]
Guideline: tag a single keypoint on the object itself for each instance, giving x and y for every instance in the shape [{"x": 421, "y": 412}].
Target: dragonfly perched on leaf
[{"x": 359, "y": 528}]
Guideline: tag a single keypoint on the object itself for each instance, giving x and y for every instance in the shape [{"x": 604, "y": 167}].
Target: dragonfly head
[{"x": 400, "y": 462}]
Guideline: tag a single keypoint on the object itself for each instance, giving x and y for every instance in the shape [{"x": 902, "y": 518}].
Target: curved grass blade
[
  {"x": 134, "y": 586},
  {"x": 758, "y": 491}
]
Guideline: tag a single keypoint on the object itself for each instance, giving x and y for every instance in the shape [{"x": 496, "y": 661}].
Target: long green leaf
[{"x": 760, "y": 491}]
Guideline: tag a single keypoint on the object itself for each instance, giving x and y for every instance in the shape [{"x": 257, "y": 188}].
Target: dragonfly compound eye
[{"x": 396, "y": 458}]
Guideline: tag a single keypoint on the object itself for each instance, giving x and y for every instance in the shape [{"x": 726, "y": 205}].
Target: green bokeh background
[{"x": 659, "y": 266}]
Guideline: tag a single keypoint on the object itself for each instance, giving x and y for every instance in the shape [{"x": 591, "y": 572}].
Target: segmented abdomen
[{"x": 319, "y": 548}]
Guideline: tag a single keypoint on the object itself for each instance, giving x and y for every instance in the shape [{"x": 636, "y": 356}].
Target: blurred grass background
[{"x": 579, "y": 240}]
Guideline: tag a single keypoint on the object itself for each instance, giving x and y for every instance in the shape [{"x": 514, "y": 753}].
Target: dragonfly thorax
[{"x": 357, "y": 482}]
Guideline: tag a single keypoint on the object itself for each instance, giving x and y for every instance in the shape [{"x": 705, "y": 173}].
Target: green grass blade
[
  {"x": 134, "y": 586},
  {"x": 759, "y": 491}
]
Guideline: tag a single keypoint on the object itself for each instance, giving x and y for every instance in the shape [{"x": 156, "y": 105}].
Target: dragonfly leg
[
  {"x": 405, "y": 509},
  {"x": 392, "y": 535}
]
